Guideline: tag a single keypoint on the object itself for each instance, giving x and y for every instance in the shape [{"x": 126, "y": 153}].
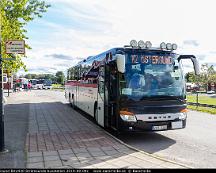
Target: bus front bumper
[
  {"x": 153, "y": 126},
  {"x": 142, "y": 124}
]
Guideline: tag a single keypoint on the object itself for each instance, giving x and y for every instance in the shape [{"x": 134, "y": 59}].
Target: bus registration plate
[
  {"x": 164, "y": 127},
  {"x": 177, "y": 125}
]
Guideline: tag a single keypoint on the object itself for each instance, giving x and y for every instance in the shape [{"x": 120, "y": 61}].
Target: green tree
[
  {"x": 28, "y": 76},
  {"x": 206, "y": 77},
  {"x": 60, "y": 77},
  {"x": 190, "y": 77},
  {"x": 14, "y": 15}
]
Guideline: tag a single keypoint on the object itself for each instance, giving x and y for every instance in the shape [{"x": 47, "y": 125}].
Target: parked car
[
  {"x": 210, "y": 92},
  {"x": 40, "y": 84},
  {"x": 47, "y": 84},
  {"x": 34, "y": 83}
]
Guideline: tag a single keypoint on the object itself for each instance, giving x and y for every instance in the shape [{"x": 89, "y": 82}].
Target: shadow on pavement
[
  {"x": 16, "y": 124},
  {"x": 150, "y": 142}
]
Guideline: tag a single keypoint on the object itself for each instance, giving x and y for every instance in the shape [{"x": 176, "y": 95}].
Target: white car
[
  {"x": 39, "y": 84},
  {"x": 210, "y": 92},
  {"x": 47, "y": 87}
]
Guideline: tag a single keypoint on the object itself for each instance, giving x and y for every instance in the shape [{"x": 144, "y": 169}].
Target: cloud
[
  {"x": 188, "y": 66},
  {"x": 191, "y": 43},
  {"x": 72, "y": 29},
  {"x": 212, "y": 52},
  {"x": 62, "y": 65},
  {"x": 201, "y": 57},
  {"x": 60, "y": 56},
  {"x": 212, "y": 63},
  {"x": 42, "y": 70}
]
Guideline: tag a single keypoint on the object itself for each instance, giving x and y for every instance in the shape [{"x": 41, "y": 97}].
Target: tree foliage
[
  {"x": 207, "y": 76},
  {"x": 14, "y": 15},
  {"x": 60, "y": 77},
  {"x": 40, "y": 76}
]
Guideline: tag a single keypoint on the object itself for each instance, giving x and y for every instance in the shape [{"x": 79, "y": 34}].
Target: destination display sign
[{"x": 151, "y": 59}]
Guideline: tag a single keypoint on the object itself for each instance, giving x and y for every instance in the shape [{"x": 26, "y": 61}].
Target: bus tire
[
  {"x": 95, "y": 111},
  {"x": 69, "y": 98},
  {"x": 72, "y": 101}
]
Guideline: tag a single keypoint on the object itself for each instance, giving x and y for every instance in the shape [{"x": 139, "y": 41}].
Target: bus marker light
[
  {"x": 126, "y": 113},
  {"x": 169, "y": 46},
  {"x": 174, "y": 46},
  {"x": 163, "y": 45},
  {"x": 184, "y": 110},
  {"x": 148, "y": 44},
  {"x": 141, "y": 44},
  {"x": 133, "y": 43}
]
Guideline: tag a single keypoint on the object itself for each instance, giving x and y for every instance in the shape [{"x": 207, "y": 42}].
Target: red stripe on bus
[{"x": 81, "y": 84}]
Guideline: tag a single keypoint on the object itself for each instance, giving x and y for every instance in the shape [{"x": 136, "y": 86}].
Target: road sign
[{"x": 15, "y": 47}]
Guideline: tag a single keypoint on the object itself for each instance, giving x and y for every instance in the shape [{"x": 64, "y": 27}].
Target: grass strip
[
  {"x": 202, "y": 109},
  {"x": 202, "y": 99}
]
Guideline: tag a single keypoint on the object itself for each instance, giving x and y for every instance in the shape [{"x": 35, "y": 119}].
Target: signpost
[
  {"x": 12, "y": 47},
  {"x": 15, "y": 47}
]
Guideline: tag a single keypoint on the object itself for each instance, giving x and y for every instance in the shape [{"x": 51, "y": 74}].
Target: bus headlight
[
  {"x": 127, "y": 116},
  {"x": 183, "y": 115}
]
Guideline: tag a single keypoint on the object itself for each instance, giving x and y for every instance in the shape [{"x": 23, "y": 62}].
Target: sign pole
[
  {"x": 2, "y": 141},
  {"x": 12, "y": 47}
]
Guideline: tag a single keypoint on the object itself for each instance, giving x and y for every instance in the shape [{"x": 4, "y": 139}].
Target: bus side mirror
[
  {"x": 120, "y": 59},
  {"x": 176, "y": 65},
  {"x": 194, "y": 60}
]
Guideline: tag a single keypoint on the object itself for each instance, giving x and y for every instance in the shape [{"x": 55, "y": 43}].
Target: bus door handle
[{"x": 99, "y": 108}]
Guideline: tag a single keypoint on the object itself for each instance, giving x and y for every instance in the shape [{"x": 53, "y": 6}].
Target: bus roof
[{"x": 100, "y": 56}]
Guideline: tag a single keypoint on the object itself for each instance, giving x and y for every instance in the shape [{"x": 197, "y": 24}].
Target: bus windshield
[{"x": 152, "y": 76}]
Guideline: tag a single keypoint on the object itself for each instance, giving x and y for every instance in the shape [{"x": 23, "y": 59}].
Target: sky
[{"x": 72, "y": 30}]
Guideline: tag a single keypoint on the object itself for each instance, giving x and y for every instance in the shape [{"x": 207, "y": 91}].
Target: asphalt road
[{"x": 194, "y": 146}]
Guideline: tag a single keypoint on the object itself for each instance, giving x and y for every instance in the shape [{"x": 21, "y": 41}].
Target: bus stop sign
[{"x": 15, "y": 47}]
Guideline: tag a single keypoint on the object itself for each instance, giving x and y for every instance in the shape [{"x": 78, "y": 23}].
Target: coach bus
[{"x": 135, "y": 87}]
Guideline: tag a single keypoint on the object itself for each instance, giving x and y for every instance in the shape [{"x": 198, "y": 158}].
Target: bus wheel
[
  {"x": 95, "y": 111},
  {"x": 72, "y": 103},
  {"x": 69, "y": 98}
]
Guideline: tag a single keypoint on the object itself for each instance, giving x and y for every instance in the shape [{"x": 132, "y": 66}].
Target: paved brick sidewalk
[
  {"x": 16, "y": 123},
  {"x": 59, "y": 137}
]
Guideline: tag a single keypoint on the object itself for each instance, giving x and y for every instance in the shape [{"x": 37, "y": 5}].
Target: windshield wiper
[{"x": 162, "y": 97}]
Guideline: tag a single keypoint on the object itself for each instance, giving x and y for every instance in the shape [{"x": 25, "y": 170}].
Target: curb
[{"x": 148, "y": 154}]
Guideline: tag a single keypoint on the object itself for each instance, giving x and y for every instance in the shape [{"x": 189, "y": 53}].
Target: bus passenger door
[
  {"x": 110, "y": 96},
  {"x": 100, "y": 98}
]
